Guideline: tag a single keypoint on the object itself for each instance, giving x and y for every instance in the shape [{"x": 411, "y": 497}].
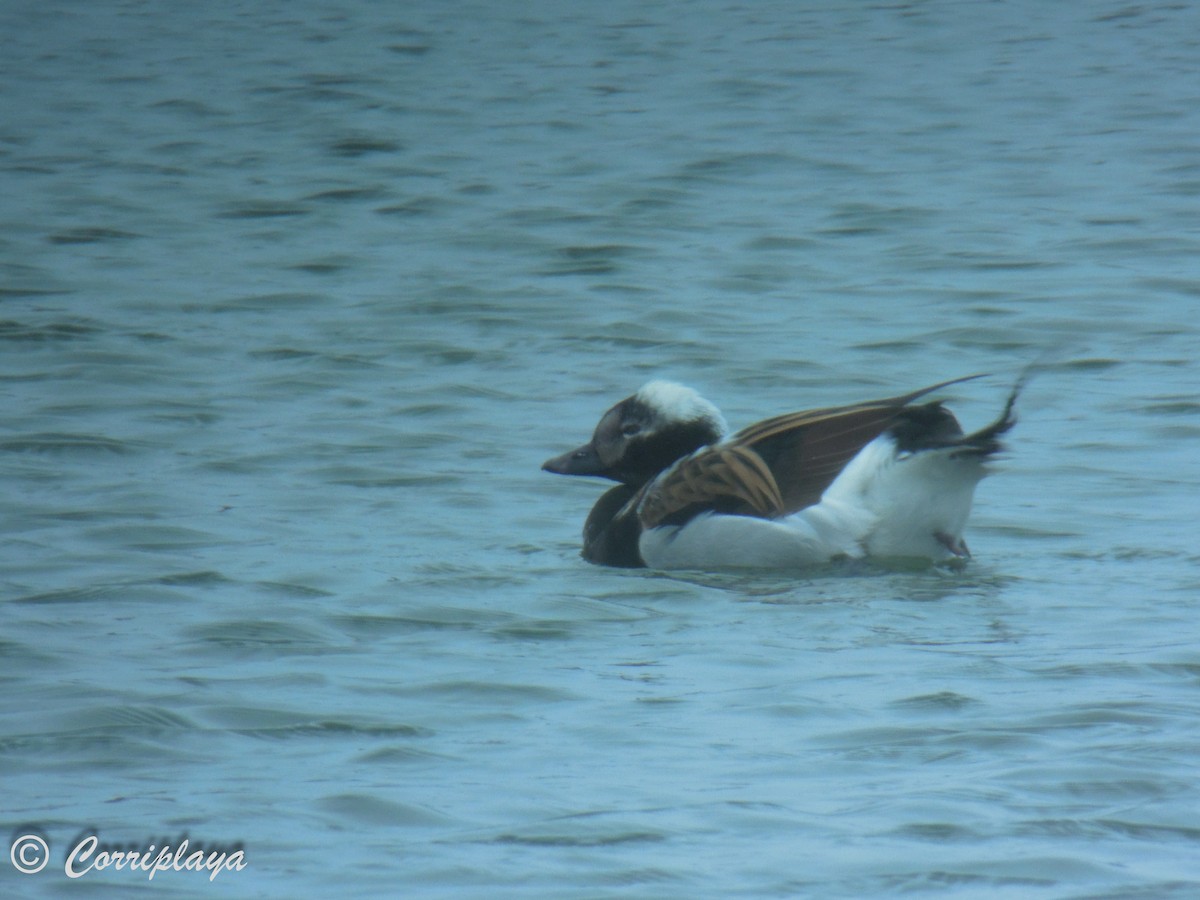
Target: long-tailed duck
[{"x": 884, "y": 478}]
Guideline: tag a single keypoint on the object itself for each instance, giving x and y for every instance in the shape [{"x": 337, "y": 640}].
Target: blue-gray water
[{"x": 295, "y": 299}]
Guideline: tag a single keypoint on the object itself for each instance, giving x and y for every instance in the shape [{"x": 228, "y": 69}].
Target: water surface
[{"x": 295, "y": 299}]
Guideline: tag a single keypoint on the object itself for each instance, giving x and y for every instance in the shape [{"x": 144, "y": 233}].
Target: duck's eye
[{"x": 629, "y": 429}]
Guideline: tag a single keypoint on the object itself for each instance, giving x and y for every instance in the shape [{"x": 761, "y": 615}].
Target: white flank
[{"x": 922, "y": 500}]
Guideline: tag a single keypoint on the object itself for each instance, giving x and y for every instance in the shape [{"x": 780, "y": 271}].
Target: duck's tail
[
  {"x": 932, "y": 427},
  {"x": 986, "y": 442}
]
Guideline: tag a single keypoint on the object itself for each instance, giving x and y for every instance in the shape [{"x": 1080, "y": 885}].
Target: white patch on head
[{"x": 673, "y": 402}]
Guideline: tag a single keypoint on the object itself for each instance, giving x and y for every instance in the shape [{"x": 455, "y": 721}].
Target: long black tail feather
[{"x": 986, "y": 441}]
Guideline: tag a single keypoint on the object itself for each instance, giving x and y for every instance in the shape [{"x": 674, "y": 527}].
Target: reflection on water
[{"x": 293, "y": 302}]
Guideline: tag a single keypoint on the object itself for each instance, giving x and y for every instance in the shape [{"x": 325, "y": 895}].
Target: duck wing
[
  {"x": 725, "y": 478},
  {"x": 775, "y": 467}
]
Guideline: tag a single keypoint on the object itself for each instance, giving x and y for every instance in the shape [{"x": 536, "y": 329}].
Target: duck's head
[{"x": 644, "y": 434}]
